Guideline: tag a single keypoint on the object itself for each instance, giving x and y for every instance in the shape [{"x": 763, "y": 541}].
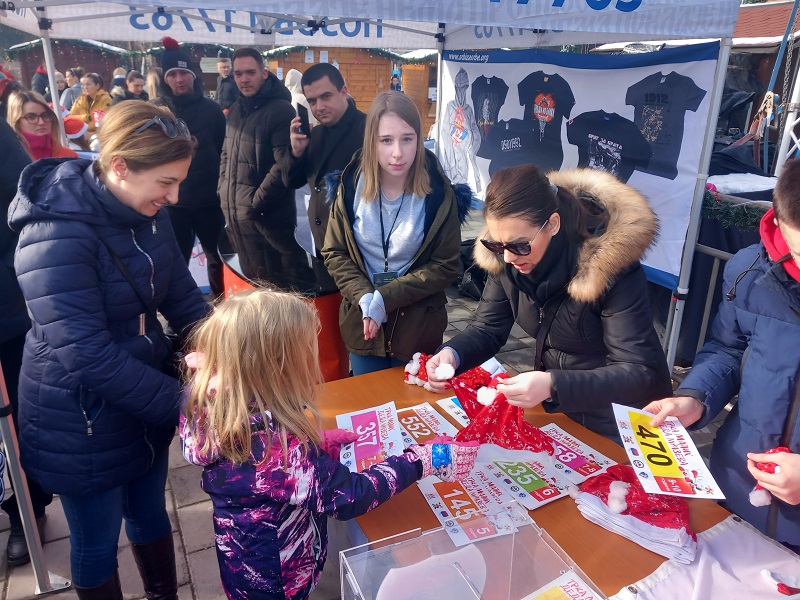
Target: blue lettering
[
  {"x": 487, "y": 32},
  {"x": 328, "y": 32},
  {"x": 204, "y": 14},
  {"x": 598, "y": 4},
  {"x": 627, "y": 5},
  {"x": 558, "y": 3},
  {"x": 162, "y": 21},
  {"x": 305, "y": 31},
  {"x": 136, "y": 21},
  {"x": 229, "y": 18},
  {"x": 343, "y": 28},
  {"x": 280, "y": 26},
  {"x": 186, "y": 22},
  {"x": 478, "y": 34}
]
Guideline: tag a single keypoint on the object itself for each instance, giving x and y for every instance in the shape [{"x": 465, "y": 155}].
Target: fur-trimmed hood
[{"x": 632, "y": 228}]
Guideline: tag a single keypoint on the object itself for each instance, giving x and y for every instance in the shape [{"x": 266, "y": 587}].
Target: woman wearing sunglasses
[
  {"x": 36, "y": 125},
  {"x": 92, "y": 98},
  {"x": 563, "y": 257},
  {"x": 96, "y": 258},
  {"x": 393, "y": 238}
]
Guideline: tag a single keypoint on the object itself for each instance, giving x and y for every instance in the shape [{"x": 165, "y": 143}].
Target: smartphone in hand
[{"x": 302, "y": 112}]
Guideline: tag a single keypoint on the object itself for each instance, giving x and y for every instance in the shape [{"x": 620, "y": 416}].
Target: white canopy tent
[{"x": 411, "y": 24}]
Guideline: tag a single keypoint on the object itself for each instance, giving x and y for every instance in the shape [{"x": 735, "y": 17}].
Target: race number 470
[{"x": 647, "y": 439}]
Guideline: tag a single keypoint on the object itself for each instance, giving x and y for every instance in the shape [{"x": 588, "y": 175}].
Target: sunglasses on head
[
  {"x": 518, "y": 248},
  {"x": 171, "y": 128}
]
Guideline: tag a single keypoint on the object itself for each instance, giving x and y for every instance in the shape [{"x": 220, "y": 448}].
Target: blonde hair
[
  {"x": 141, "y": 151},
  {"x": 154, "y": 76},
  {"x": 397, "y": 103},
  {"x": 15, "y": 110},
  {"x": 261, "y": 345}
]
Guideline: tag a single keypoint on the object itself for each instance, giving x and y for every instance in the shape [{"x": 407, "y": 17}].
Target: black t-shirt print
[
  {"x": 510, "y": 143},
  {"x": 608, "y": 142},
  {"x": 660, "y": 103},
  {"x": 488, "y": 96},
  {"x": 548, "y": 100}
]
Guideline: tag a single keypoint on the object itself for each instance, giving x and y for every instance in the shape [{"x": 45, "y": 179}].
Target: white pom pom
[
  {"x": 445, "y": 371},
  {"x": 427, "y": 386},
  {"x": 617, "y": 493},
  {"x": 760, "y": 497},
  {"x": 413, "y": 365},
  {"x": 486, "y": 395},
  {"x": 573, "y": 491}
]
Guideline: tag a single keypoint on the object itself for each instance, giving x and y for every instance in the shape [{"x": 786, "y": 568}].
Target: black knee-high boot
[
  {"x": 156, "y": 562},
  {"x": 108, "y": 590}
]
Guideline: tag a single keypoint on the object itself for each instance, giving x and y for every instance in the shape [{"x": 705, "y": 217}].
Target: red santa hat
[{"x": 75, "y": 127}]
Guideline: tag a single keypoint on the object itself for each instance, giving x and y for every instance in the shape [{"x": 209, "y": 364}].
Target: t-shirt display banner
[{"x": 640, "y": 117}]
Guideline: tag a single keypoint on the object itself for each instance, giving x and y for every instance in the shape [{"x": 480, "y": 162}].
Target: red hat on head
[
  {"x": 75, "y": 127},
  {"x": 6, "y": 74}
]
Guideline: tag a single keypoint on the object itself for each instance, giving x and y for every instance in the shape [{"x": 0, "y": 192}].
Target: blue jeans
[
  {"x": 370, "y": 364},
  {"x": 94, "y": 521}
]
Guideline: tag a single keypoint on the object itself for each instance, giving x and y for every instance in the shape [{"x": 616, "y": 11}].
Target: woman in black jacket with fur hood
[{"x": 563, "y": 257}]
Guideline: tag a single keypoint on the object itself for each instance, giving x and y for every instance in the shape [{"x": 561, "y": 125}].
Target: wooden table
[{"x": 609, "y": 560}]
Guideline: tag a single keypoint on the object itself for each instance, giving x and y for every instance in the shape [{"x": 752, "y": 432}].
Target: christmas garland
[{"x": 738, "y": 216}]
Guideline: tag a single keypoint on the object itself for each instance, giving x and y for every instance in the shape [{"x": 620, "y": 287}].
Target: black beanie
[{"x": 174, "y": 58}]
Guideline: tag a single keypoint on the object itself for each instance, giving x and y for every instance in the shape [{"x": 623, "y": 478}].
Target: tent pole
[
  {"x": 439, "y": 68},
  {"x": 46, "y": 582},
  {"x": 791, "y": 120},
  {"x": 678, "y": 303},
  {"x": 51, "y": 73}
]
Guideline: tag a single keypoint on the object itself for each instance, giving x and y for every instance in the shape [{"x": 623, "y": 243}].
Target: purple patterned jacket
[{"x": 270, "y": 516}]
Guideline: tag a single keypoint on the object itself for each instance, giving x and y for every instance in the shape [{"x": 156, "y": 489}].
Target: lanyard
[{"x": 385, "y": 237}]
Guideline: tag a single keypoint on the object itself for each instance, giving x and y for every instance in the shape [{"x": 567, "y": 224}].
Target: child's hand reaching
[
  {"x": 334, "y": 439},
  {"x": 447, "y": 459},
  {"x": 196, "y": 360}
]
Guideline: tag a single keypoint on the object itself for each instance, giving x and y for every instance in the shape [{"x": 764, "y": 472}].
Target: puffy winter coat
[
  {"x": 94, "y": 404},
  {"x": 256, "y": 140},
  {"x": 206, "y": 123},
  {"x": 753, "y": 350},
  {"x": 271, "y": 514},
  {"x": 415, "y": 302},
  {"x": 84, "y": 106},
  {"x": 14, "y": 321},
  {"x": 601, "y": 347}
]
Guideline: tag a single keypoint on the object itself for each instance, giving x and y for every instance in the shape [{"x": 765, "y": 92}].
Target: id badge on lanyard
[{"x": 379, "y": 279}]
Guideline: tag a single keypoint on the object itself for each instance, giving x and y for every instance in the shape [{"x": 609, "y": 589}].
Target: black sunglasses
[
  {"x": 518, "y": 248},
  {"x": 171, "y": 129}
]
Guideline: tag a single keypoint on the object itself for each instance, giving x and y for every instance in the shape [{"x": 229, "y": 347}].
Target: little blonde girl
[{"x": 271, "y": 480}]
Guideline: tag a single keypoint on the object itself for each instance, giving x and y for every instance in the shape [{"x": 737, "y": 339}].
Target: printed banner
[
  {"x": 567, "y": 587},
  {"x": 665, "y": 458},
  {"x": 379, "y": 439},
  {"x": 469, "y": 23},
  {"x": 421, "y": 423},
  {"x": 640, "y": 117},
  {"x": 574, "y": 459}
]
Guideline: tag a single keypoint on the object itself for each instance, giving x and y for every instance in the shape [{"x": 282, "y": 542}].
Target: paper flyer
[
  {"x": 470, "y": 509},
  {"x": 453, "y": 408},
  {"x": 421, "y": 423},
  {"x": 379, "y": 433},
  {"x": 566, "y": 587},
  {"x": 577, "y": 460},
  {"x": 532, "y": 479},
  {"x": 665, "y": 458}
]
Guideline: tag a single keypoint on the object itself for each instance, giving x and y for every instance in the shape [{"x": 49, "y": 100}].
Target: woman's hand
[
  {"x": 527, "y": 389},
  {"x": 688, "y": 410},
  {"x": 784, "y": 485},
  {"x": 370, "y": 328},
  {"x": 444, "y": 357}
]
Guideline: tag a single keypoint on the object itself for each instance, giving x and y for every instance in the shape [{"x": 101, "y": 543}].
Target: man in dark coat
[
  {"x": 329, "y": 147},
  {"x": 259, "y": 208},
  {"x": 14, "y": 324},
  {"x": 227, "y": 92},
  {"x": 198, "y": 210},
  {"x": 39, "y": 80}
]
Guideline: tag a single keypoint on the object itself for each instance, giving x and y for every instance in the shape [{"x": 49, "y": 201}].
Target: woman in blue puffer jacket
[{"x": 97, "y": 411}]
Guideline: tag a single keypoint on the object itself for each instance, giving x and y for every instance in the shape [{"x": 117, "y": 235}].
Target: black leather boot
[
  {"x": 17, "y": 548},
  {"x": 156, "y": 562},
  {"x": 110, "y": 589}
]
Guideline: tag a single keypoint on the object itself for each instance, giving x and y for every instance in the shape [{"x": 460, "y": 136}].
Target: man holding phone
[{"x": 330, "y": 145}]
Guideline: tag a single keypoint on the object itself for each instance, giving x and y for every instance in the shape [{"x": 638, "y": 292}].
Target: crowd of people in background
[{"x": 89, "y": 257}]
